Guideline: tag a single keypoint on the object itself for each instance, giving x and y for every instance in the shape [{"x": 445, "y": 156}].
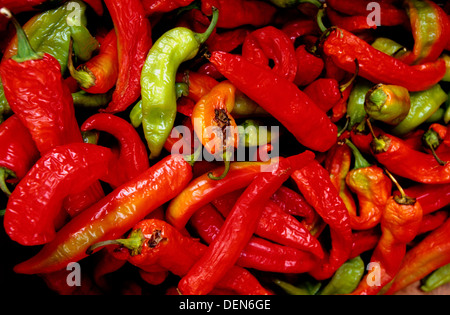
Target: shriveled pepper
[
  {"x": 299, "y": 114},
  {"x": 113, "y": 216},
  {"x": 431, "y": 30},
  {"x": 38, "y": 199},
  {"x": 400, "y": 224},
  {"x": 372, "y": 188},
  {"x": 423, "y": 105},
  {"x": 158, "y": 81},
  {"x": 214, "y": 125},
  {"x": 99, "y": 75},
  {"x": 388, "y": 103},
  {"x": 424, "y": 258},
  {"x": 156, "y": 243},
  {"x": 134, "y": 39},
  {"x": 133, "y": 158},
  {"x": 18, "y": 152},
  {"x": 270, "y": 43},
  {"x": 344, "y": 48},
  {"x": 213, "y": 265}
]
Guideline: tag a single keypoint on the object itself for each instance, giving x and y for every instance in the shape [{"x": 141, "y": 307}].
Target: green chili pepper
[
  {"x": 84, "y": 44},
  {"x": 423, "y": 105},
  {"x": 356, "y": 112},
  {"x": 447, "y": 110},
  {"x": 346, "y": 278},
  {"x": 90, "y": 137},
  {"x": 388, "y": 103},
  {"x": 252, "y": 134},
  {"x": 159, "y": 106},
  {"x": 86, "y": 100},
  {"x": 437, "y": 116},
  {"x": 388, "y": 46},
  {"x": 4, "y": 174},
  {"x": 306, "y": 288},
  {"x": 446, "y": 78},
  {"x": 244, "y": 106},
  {"x": 437, "y": 279}
]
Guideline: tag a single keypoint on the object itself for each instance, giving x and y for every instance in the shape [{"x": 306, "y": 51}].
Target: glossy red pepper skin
[
  {"x": 50, "y": 117},
  {"x": 314, "y": 183},
  {"x": 152, "y": 7},
  {"x": 299, "y": 114},
  {"x": 113, "y": 216},
  {"x": 270, "y": 43},
  {"x": 236, "y": 13},
  {"x": 404, "y": 161},
  {"x": 38, "y": 199},
  {"x": 324, "y": 92},
  {"x": 344, "y": 48},
  {"x": 214, "y": 264},
  {"x": 18, "y": 151},
  {"x": 430, "y": 254},
  {"x": 300, "y": 27},
  {"x": 310, "y": 67},
  {"x": 353, "y": 23},
  {"x": 294, "y": 204},
  {"x": 133, "y": 156},
  {"x": 431, "y": 197},
  {"x": 259, "y": 254},
  {"x": 134, "y": 37}
]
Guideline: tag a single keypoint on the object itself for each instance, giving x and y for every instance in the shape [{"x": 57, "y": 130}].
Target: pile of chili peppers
[{"x": 349, "y": 195}]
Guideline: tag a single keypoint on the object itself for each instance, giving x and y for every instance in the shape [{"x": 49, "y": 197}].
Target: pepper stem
[
  {"x": 24, "y": 50},
  {"x": 2, "y": 213},
  {"x": 403, "y": 199},
  {"x": 360, "y": 161},
  {"x": 203, "y": 37},
  {"x": 432, "y": 140},
  {"x": 4, "y": 174},
  {"x": 320, "y": 16},
  {"x": 378, "y": 144},
  {"x": 345, "y": 86},
  {"x": 133, "y": 243}
]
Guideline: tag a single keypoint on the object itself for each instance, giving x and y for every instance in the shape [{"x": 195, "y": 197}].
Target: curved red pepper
[
  {"x": 162, "y": 6},
  {"x": 133, "y": 156},
  {"x": 113, "y": 216},
  {"x": 298, "y": 113},
  {"x": 271, "y": 43},
  {"x": 431, "y": 197},
  {"x": 134, "y": 37},
  {"x": 225, "y": 250},
  {"x": 294, "y": 203},
  {"x": 310, "y": 67},
  {"x": 38, "y": 199},
  {"x": 344, "y": 48},
  {"x": 300, "y": 27},
  {"x": 314, "y": 183}
]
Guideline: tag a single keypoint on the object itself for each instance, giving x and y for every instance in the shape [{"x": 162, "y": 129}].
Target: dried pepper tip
[
  {"x": 133, "y": 243},
  {"x": 432, "y": 140},
  {"x": 403, "y": 199},
  {"x": 203, "y": 37},
  {"x": 24, "y": 50},
  {"x": 4, "y": 174}
]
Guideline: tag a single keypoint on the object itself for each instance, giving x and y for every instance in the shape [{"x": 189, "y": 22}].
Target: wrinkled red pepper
[
  {"x": 38, "y": 199},
  {"x": 134, "y": 38}
]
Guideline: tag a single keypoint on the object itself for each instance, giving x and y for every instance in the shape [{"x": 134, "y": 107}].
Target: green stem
[
  {"x": 24, "y": 50},
  {"x": 360, "y": 161},
  {"x": 2, "y": 213},
  {"x": 432, "y": 140},
  {"x": 320, "y": 16},
  {"x": 133, "y": 243},
  {"x": 202, "y": 38},
  {"x": 4, "y": 174},
  {"x": 224, "y": 174}
]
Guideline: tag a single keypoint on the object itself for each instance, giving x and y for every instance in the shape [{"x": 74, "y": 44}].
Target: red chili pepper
[
  {"x": 300, "y": 27},
  {"x": 18, "y": 152},
  {"x": 134, "y": 39},
  {"x": 400, "y": 224},
  {"x": 152, "y": 7},
  {"x": 38, "y": 199},
  {"x": 156, "y": 244},
  {"x": 431, "y": 197},
  {"x": 199, "y": 84},
  {"x": 270, "y": 43},
  {"x": 299, "y": 114},
  {"x": 430, "y": 254},
  {"x": 106, "y": 265},
  {"x": 236, "y": 13},
  {"x": 133, "y": 158},
  {"x": 344, "y": 48},
  {"x": 113, "y": 216},
  {"x": 314, "y": 182},
  {"x": 275, "y": 225},
  {"x": 225, "y": 250},
  {"x": 99, "y": 75},
  {"x": 258, "y": 254},
  {"x": 364, "y": 241},
  {"x": 353, "y": 23},
  {"x": 310, "y": 67},
  {"x": 390, "y": 14},
  {"x": 431, "y": 222},
  {"x": 294, "y": 204},
  {"x": 400, "y": 159}
]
